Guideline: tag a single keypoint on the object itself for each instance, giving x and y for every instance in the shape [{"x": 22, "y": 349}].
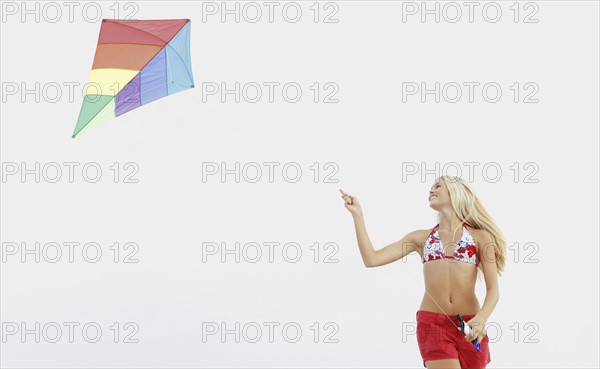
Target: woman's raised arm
[{"x": 371, "y": 257}]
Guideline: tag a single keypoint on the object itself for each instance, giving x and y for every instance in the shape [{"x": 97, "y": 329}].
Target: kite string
[
  {"x": 438, "y": 305},
  {"x": 249, "y": 136},
  {"x": 135, "y": 97},
  {"x": 432, "y": 299},
  {"x": 435, "y": 302}
]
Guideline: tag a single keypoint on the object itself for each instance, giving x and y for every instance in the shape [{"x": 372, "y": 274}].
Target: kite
[{"x": 136, "y": 62}]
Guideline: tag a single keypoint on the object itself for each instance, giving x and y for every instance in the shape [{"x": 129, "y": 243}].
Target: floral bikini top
[{"x": 465, "y": 251}]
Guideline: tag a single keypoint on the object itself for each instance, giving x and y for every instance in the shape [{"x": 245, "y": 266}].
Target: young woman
[{"x": 466, "y": 240}]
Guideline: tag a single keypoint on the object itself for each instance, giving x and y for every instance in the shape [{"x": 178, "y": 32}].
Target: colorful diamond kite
[{"x": 136, "y": 62}]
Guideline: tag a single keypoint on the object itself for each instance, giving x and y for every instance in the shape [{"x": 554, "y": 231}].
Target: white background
[{"x": 370, "y": 135}]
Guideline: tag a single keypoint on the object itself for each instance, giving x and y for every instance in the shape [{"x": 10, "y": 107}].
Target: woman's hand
[
  {"x": 477, "y": 324},
  {"x": 351, "y": 203}
]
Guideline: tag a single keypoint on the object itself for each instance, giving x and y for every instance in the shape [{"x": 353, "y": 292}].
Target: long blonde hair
[{"x": 470, "y": 210}]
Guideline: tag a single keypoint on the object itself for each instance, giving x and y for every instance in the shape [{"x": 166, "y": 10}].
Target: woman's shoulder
[
  {"x": 420, "y": 236},
  {"x": 481, "y": 236}
]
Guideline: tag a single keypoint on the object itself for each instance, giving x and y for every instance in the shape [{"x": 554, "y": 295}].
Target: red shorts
[{"x": 439, "y": 338}]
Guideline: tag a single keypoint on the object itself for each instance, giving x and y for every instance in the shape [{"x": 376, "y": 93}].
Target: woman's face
[{"x": 439, "y": 195}]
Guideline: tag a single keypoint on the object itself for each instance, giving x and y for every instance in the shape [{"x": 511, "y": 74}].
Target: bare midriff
[{"x": 451, "y": 285}]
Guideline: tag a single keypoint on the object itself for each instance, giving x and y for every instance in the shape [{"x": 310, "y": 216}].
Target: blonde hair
[{"x": 470, "y": 210}]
